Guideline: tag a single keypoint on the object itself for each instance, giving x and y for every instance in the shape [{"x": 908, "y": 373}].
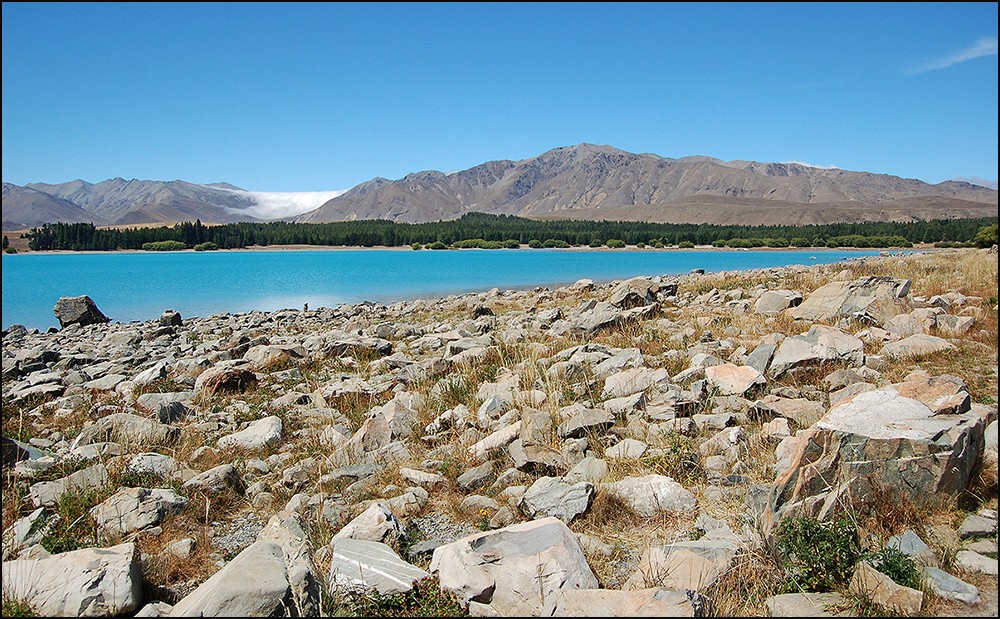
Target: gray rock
[
  {"x": 134, "y": 509},
  {"x": 910, "y": 544},
  {"x": 806, "y": 605},
  {"x": 873, "y": 298},
  {"x": 586, "y": 420},
  {"x": 218, "y": 479},
  {"x": 553, "y": 496},
  {"x": 626, "y": 448},
  {"x": 590, "y": 469},
  {"x": 476, "y": 476},
  {"x": 514, "y": 569},
  {"x": 259, "y": 434},
  {"x": 128, "y": 430},
  {"x": 820, "y": 344},
  {"x": 79, "y": 583},
  {"x": 972, "y": 561},
  {"x": 253, "y": 584},
  {"x": 78, "y": 311},
  {"x": 945, "y": 585},
  {"x": 919, "y": 345},
  {"x": 652, "y": 494},
  {"x": 47, "y": 493},
  {"x": 654, "y": 602},
  {"x": 378, "y": 523},
  {"x": 357, "y": 564},
  {"x": 975, "y": 525},
  {"x": 773, "y": 302}
]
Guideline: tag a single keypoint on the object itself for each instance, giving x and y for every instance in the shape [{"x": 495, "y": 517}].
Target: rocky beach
[{"x": 657, "y": 446}]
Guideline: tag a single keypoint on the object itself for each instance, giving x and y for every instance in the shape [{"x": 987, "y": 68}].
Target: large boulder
[
  {"x": 873, "y": 298},
  {"x": 92, "y": 582},
  {"x": 918, "y": 438},
  {"x": 78, "y": 311},
  {"x": 254, "y": 584},
  {"x": 817, "y": 346},
  {"x": 515, "y": 569}
]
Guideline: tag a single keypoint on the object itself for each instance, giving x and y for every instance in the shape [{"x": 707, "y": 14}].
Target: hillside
[{"x": 601, "y": 182}]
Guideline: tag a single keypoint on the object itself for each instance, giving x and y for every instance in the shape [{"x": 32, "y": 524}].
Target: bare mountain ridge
[
  {"x": 120, "y": 201},
  {"x": 24, "y": 208},
  {"x": 576, "y": 182},
  {"x": 585, "y": 181}
]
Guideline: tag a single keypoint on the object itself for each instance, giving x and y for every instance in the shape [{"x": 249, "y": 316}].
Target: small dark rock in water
[
  {"x": 78, "y": 311},
  {"x": 170, "y": 318}
]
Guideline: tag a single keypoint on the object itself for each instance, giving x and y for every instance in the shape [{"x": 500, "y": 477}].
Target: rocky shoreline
[{"x": 603, "y": 450}]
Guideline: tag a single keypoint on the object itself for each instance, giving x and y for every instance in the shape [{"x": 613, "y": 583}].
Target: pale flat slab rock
[
  {"x": 634, "y": 380},
  {"x": 47, "y": 493},
  {"x": 259, "y": 434},
  {"x": 514, "y": 569},
  {"x": 731, "y": 379},
  {"x": 652, "y": 494},
  {"x": 820, "y": 344},
  {"x": 91, "y": 582},
  {"x": 875, "y": 297},
  {"x": 693, "y": 565},
  {"x": 653, "y": 602},
  {"x": 881, "y": 589},
  {"x": 127, "y": 429},
  {"x": 806, "y": 605},
  {"x": 134, "y": 509},
  {"x": 363, "y": 564},
  {"x": 972, "y": 561},
  {"x": 918, "y": 345},
  {"x": 554, "y": 496},
  {"x": 496, "y": 440}
]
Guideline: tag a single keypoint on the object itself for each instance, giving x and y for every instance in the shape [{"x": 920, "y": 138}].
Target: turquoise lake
[{"x": 141, "y": 285}]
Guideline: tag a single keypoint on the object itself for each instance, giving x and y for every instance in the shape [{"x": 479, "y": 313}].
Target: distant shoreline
[{"x": 630, "y": 248}]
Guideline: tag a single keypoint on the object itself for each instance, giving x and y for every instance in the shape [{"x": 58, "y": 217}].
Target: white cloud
[
  {"x": 277, "y": 204},
  {"x": 812, "y": 165},
  {"x": 983, "y": 47}
]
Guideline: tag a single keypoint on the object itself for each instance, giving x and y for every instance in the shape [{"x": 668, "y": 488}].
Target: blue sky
[{"x": 318, "y": 97}]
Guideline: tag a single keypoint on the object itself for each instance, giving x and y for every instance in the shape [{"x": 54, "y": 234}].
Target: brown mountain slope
[
  {"x": 576, "y": 181},
  {"x": 25, "y": 208},
  {"x": 121, "y": 201}
]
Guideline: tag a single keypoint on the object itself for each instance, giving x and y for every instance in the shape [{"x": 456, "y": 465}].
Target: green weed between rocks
[{"x": 816, "y": 555}]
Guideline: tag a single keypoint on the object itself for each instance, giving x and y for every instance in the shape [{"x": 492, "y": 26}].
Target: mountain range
[{"x": 584, "y": 181}]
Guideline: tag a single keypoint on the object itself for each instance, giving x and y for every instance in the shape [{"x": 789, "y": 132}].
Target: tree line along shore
[{"x": 478, "y": 230}]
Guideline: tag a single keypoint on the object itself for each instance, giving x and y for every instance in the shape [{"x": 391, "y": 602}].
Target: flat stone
[
  {"x": 364, "y": 564},
  {"x": 945, "y": 585},
  {"x": 975, "y": 525},
  {"x": 880, "y": 588},
  {"x": 972, "y": 561},
  {"x": 89, "y": 582},
  {"x": 654, "y": 602},
  {"x": 259, "y": 434},
  {"x": 652, "y": 494},
  {"x": 553, "y": 496},
  {"x": 806, "y": 605}
]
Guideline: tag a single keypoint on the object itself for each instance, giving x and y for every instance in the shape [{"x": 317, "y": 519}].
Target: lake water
[{"x": 141, "y": 285}]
